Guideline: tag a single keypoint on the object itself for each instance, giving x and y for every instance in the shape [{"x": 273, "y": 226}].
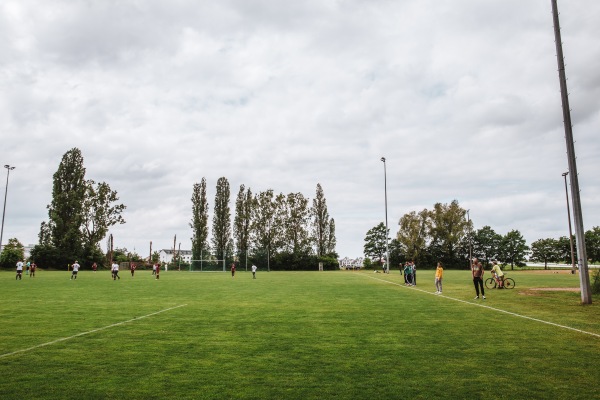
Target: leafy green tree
[
  {"x": 242, "y": 221},
  {"x": 222, "y": 220},
  {"x": 486, "y": 244},
  {"x": 396, "y": 255},
  {"x": 592, "y": 243},
  {"x": 320, "y": 222},
  {"x": 375, "y": 242},
  {"x": 513, "y": 248},
  {"x": 413, "y": 233},
  {"x": 545, "y": 250},
  {"x": 199, "y": 222},
  {"x": 447, "y": 228},
  {"x": 66, "y": 210},
  {"x": 263, "y": 226},
  {"x": 100, "y": 211},
  {"x": 296, "y": 236},
  {"x": 12, "y": 252},
  {"x": 563, "y": 249}
]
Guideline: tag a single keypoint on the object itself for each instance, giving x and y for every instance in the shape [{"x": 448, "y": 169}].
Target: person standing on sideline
[
  {"x": 233, "y": 270},
  {"x": 32, "y": 270},
  {"x": 477, "y": 272},
  {"x": 439, "y": 274},
  {"x": 408, "y": 274},
  {"x": 19, "y": 270},
  {"x": 75, "y": 270},
  {"x": 254, "y": 271},
  {"x": 413, "y": 268},
  {"x": 115, "y": 271}
]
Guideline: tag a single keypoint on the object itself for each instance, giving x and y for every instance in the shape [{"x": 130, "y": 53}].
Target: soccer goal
[{"x": 208, "y": 265}]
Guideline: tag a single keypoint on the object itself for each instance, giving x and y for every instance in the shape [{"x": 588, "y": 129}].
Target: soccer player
[
  {"x": 115, "y": 271},
  {"x": 32, "y": 269},
  {"x": 132, "y": 268},
  {"x": 254, "y": 271},
  {"x": 158, "y": 271},
  {"x": 19, "y": 270},
  {"x": 94, "y": 267},
  {"x": 75, "y": 267},
  {"x": 233, "y": 270}
]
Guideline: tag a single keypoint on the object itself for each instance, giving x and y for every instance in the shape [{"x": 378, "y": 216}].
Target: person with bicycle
[{"x": 498, "y": 275}]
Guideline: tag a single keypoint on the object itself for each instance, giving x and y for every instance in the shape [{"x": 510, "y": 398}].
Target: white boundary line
[
  {"x": 88, "y": 332},
  {"x": 488, "y": 307}
]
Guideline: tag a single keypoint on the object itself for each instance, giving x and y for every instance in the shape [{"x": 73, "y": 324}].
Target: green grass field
[{"x": 286, "y": 335}]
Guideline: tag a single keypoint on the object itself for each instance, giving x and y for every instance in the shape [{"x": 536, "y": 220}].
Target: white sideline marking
[
  {"x": 488, "y": 307},
  {"x": 88, "y": 332}
]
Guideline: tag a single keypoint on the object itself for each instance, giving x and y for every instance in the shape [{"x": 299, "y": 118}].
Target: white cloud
[{"x": 462, "y": 98}]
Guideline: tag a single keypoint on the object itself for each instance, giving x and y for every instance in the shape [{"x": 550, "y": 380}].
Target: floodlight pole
[
  {"x": 469, "y": 227},
  {"x": 387, "y": 249},
  {"x": 8, "y": 169},
  {"x": 573, "y": 267},
  {"x": 584, "y": 279}
]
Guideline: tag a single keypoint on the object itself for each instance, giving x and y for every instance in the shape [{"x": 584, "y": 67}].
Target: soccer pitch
[{"x": 294, "y": 335}]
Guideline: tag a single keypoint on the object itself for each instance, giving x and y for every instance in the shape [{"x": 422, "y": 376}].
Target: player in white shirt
[
  {"x": 75, "y": 267},
  {"x": 254, "y": 271},
  {"x": 115, "y": 271},
  {"x": 19, "y": 270}
]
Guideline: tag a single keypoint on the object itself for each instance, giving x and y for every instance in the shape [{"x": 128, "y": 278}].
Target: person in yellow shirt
[
  {"x": 498, "y": 275},
  {"x": 439, "y": 274}
]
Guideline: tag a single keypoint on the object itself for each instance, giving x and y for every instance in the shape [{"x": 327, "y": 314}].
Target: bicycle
[{"x": 491, "y": 283}]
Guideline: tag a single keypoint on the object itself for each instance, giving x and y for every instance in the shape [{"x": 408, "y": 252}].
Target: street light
[
  {"x": 570, "y": 230},
  {"x": 8, "y": 169},
  {"x": 469, "y": 226},
  {"x": 387, "y": 249}
]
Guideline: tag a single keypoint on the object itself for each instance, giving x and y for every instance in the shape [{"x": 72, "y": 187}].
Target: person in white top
[
  {"x": 19, "y": 270},
  {"x": 115, "y": 271},
  {"x": 75, "y": 267},
  {"x": 254, "y": 271}
]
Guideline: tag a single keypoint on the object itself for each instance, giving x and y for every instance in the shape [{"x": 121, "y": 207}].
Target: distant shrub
[{"x": 596, "y": 281}]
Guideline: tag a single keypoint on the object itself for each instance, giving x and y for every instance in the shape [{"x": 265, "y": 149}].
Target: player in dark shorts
[
  {"x": 32, "y": 269},
  {"x": 132, "y": 268},
  {"x": 233, "y": 270}
]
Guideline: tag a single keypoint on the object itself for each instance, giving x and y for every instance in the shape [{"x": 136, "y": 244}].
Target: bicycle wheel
[
  {"x": 490, "y": 283},
  {"x": 509, "y": 283}
]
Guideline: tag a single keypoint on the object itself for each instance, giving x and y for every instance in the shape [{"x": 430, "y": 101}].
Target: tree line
[
  {"x": 282, "y": 231},
  {"x": 445, "y": 233}
]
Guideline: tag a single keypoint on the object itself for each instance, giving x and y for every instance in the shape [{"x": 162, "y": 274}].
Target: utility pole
[{"x": 584, "y": 279}]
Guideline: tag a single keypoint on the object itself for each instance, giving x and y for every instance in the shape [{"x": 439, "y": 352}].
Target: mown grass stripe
[{"x": 88, "y": 332}]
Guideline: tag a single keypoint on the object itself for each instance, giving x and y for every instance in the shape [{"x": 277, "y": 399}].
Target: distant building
[{"x": 166, "y": 256}]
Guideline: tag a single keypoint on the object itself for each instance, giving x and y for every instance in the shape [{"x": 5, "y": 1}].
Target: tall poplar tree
[
  {"x": 242, "y": 220},
  {"x": 66, "y": 211},
  {"x": 199, "y": 222},
  {"x": 296, "y": 224},
  {"x": 320, "y": 222},
  {"x": 222, "y": 220}
]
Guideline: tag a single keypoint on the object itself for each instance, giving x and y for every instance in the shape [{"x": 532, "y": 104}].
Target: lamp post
[
  {"x": 573, "y": 268},
  {"x": 8, "y": 169},
  {"x": 469, "y": 227},
  {"x": 387, "y": 249}
]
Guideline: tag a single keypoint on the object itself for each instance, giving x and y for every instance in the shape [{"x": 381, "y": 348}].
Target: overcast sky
[{"x": 462, "y": 98}]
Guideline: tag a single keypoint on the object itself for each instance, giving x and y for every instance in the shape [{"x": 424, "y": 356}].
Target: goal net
[{"x": 208, "y": 265}]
